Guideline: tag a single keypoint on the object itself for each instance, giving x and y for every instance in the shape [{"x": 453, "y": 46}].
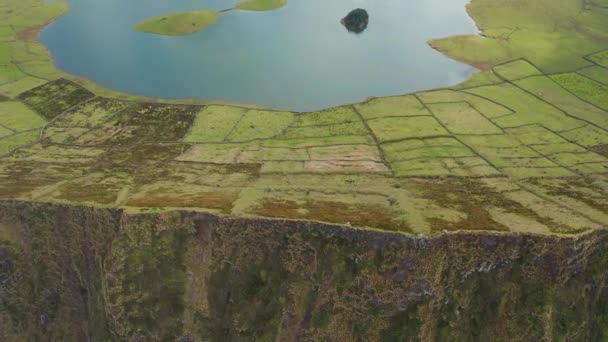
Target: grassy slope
[
  {"x": 179, "y": 24},
  {"x": 555, "y": 35}
]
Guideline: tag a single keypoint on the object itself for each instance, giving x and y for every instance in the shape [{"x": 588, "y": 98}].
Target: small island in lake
[
  {"x": 260, "y": 5},
  {"x": 356, "y": 21},
  {"x": 179, "y": 24}
]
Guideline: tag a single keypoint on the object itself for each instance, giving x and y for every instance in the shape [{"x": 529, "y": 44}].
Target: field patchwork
[{"x": 521, "y": 146}]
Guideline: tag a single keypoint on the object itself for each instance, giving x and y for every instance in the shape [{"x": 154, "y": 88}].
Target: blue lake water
[{"x": 298, "y": 57}]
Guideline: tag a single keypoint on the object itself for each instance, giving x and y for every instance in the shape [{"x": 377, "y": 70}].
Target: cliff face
[{"x": 80, "y": 273}]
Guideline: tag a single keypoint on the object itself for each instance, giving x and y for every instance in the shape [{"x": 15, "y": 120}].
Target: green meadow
[{"x": 526, "y": 138}]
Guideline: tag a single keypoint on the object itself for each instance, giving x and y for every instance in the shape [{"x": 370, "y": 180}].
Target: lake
[{"x": 298, "y": 57}]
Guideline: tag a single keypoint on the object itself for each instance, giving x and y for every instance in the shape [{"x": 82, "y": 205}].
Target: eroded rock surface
[{"x": 79, "y": 273}]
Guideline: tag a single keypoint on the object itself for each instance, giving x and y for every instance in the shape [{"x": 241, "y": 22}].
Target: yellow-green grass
[
  {"x": 600, "y": 58},
  {"x": 6, "y": 34},
  {"x": 326, "y": 117},
  {"x": 259, "y": 124},
  {"x": 18, "y": 117},
  {"x": 11, "y": 142},
  {"x": 481, "y": 78},
  {"x": 587, "y": 136},
  {"x": 435, "y": 167},
  {"x": 344, "y": 152},
  {"x": 488, "y": 108},
  {"x": 535, "y": 135},
  {"x": 391, "y": 106},
  {"x": 387, "y": 129},
  {"x": 465, "y": 166},
  {"x": 14, "y": 89},
  {"x": 559, "y": 215},
  {"x": 461, "y": 118},
  {"x": 63, "y": 135},
  {"x": 592, "y": 189},
  {"x": 10, "y": 73},
  {"x": 553, "y": 34},
  {"x": 590, "y": 168},
  {"x": 42, "y": 68},
  {"x": 283, "y": 167},
  {"x": 272, "y": 154},
  {"x": 589, "y": 90},
  {"x": 551, "y": 92},
  {"x": 4, "y": 131},
  {"x": 528, "y": 108},
  {"x": 537, "y": 172},
  {"x": 515, "y": 159},
  {"x": 341, "y": 129},
  {"x": 57, "y": 154},
  {"x": 573, "y": 158},
  {"x": 425, "y": 149},
  {"x": 215, "y": 153},
  {"x": 27, "y": 13},
  {"x": 260, "y": 5},
  {"x": 517, "y": 69},
  {"x": 595, "y": 73},
  {"x": 213, "y": 123},
  {"x": 5, "y": 53},
  {"x": 319, "y": 141},
  {"x": 26, "y": 51},
  {"x": 547, "y": 149},
  {"x": 178, "y": 24}
]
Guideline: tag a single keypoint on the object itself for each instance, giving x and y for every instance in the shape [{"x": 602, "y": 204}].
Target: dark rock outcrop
[{"x": 356, "y": 21}]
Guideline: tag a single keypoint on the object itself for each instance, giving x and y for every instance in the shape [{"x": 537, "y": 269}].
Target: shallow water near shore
[{"x": 298, "y": 57}]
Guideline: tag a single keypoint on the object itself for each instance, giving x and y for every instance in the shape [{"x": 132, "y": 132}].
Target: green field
[{"x": 521, "y": 146}]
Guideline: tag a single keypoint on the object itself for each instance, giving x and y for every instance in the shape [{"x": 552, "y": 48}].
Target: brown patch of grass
[
  {"x": 471, "y": 197},
  {"x": 250, "y": 169},
  {"x": 207, "y": 200},
  {"x": 477, "y": 219},
  {"x": 23, "y": 177},
  {"x": 98, "y": 193},
  {"x": 139, "y": 157},
  {"x": 600, "y": 149},
  {"x": 344, "y": 166},
  {"x": 575, "y": 188},
  {"x": 144, "y": 123},
  {"x": 54, "y": 107},
  {"x": 29, "y": 34},
  {"x": 363, "y": 215}
]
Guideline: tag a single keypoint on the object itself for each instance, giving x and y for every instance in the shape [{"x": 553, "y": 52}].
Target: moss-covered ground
[{"x": 521, "y": 146}]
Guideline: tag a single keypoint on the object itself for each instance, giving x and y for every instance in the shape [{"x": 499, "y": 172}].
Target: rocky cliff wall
[{"x": 75, "y": 273}]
